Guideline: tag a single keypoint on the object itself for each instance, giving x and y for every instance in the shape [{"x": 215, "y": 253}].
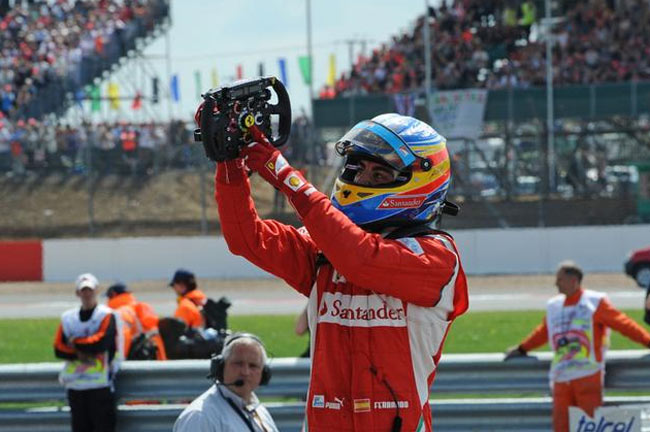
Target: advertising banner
[
  {"x": 458, "y": 113},
  {"x": 630, "y": 418}
]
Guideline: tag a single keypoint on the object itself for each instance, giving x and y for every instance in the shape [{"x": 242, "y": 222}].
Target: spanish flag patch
[{"x": 361, "y": 405}]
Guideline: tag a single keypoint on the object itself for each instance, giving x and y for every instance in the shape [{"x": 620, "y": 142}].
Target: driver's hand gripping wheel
[{"x": 228, "y": 114}]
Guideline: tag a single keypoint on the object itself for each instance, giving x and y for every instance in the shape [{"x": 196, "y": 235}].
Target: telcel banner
[{"x": 630, "y": 418}]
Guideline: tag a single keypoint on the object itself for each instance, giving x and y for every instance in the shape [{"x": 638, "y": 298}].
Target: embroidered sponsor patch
[
  {"x": 333, "y": 405},
  {"x": 280, "y": 164},
  {"x": 318, "y": 401},
  {"x": 390, "y": 404},
  {"x": 294, "y": 182},
  {"x": 412, "y": 244},
  {"x": 277, "y": 165},
  {"x": 402, "y": 202},
  {"x": 361, "y": 311},
  {"x": 361, "y": 405}
]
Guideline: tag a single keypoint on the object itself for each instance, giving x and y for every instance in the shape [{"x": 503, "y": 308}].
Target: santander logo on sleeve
[{"x": 361, "y": 310}]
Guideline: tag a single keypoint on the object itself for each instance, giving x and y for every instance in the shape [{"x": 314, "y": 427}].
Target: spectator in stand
[
  {"x": 46, "y": 42},
  {"x": 43, "y": 146},
  {"x": 489, "y": 45}
]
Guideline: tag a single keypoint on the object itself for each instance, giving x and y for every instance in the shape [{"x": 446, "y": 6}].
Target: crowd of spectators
[
  {"x": 499, "y": 43},
  {"x": 43, "y": 41},
  {"x": 597, "y": 43},
  {"x": 41, "y": 147},
  {"x": 45, "y": 146}
]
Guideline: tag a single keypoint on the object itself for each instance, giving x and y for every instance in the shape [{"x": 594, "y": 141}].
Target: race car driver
[{"x": 383, "y": 285}]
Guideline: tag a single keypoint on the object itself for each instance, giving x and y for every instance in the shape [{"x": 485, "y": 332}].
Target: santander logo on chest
[{"x": 361, "y": 310}]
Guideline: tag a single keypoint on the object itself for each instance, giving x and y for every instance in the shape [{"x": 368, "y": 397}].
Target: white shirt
[{"x": 211, "y": 412}]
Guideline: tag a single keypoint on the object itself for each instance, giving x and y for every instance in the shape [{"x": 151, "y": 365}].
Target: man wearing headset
[
  {"x": 231, "y": 405},
  {"x": 384, "y": 285}
]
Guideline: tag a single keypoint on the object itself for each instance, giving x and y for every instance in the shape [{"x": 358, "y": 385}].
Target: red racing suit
[{"x": 379, "y": 311}]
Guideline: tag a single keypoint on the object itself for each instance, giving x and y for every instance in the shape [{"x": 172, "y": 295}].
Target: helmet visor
[{"x": 378, "y": 141}]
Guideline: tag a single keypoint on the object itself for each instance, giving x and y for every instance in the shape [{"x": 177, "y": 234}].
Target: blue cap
[
  {"x": 183, "y": 276},
  {"x": 115, "y": 289}
]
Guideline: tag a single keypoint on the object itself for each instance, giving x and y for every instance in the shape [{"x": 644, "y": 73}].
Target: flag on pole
[
  {"x": 405, "y": 103},
  {"x": 240, "y": 72},
  {"x": 114, "y": 95},
  {"x": 197, "y": 83},
  {"x": 260, "y": 69},
  {"x": 331, "y": 74},
  {"x": 282, "y": 64},
  {"x": 137, "y": 101},
  {"x": 79, "y": 96},
  {"x": 215, "y": 78},
  {"x": 155, "y": 93},
  {"x": 95, "y": 98},
  {"x": 176, "y": 96},
  {"x": 305, "y": 68}
]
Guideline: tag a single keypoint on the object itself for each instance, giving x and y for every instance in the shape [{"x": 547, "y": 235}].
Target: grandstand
[
  {"x": 600, "y": 114},
  {"x": 486, "y": 44},
  {"x": 55, "y": 49},
  {"x": 600, "y": 136}
]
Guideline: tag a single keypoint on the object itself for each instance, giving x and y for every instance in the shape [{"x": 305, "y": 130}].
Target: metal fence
[
  {"x": 595, "y": 101},
  {"x": 167, "y": 383},
  {"x": 527, "y": 414}
]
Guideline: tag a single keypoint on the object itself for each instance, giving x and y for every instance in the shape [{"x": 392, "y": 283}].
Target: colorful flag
[
  {"x": 176, "y": 96},
  {"x": 95, "y": 98},
  {"x": 137, "y": 101},
  {"x": 215, "y": 78},
  {"x": 282, "y": 64},
  {"x": 79, "y": 96},
  {"x": 405, "y": 103},
  {"x": 305, "y": 68},
  {"x": 331, "y": 74},
  {"x": 197, "y": 83},
  {"x": 240, "y": 72},
  {"x": 114, "y": 95}
]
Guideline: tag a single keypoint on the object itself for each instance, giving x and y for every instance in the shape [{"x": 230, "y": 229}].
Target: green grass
[
  {"x": 496, "y": 331},
  {"x": 275, "y": 330},
  {"x": 27, "y": 340},
  {"x": 30, "y": 340}
]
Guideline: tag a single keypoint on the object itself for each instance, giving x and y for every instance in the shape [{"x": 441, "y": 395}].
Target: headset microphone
[{"x": 236, "y": 383}]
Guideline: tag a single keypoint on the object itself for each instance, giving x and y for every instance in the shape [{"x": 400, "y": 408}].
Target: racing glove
[
  {"x": 266, "y": 160},
  {"x": 514, "y": 352}
]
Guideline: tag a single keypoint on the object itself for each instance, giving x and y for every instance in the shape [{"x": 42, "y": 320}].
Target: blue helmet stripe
[{"x": 393, "y": 140}]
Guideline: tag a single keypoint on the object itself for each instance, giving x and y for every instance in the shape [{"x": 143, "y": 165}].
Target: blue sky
[{"x": 223, "y": 33}]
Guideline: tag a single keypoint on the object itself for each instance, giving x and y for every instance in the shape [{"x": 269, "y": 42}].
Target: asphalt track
[{"x": 272, "y": 296}]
